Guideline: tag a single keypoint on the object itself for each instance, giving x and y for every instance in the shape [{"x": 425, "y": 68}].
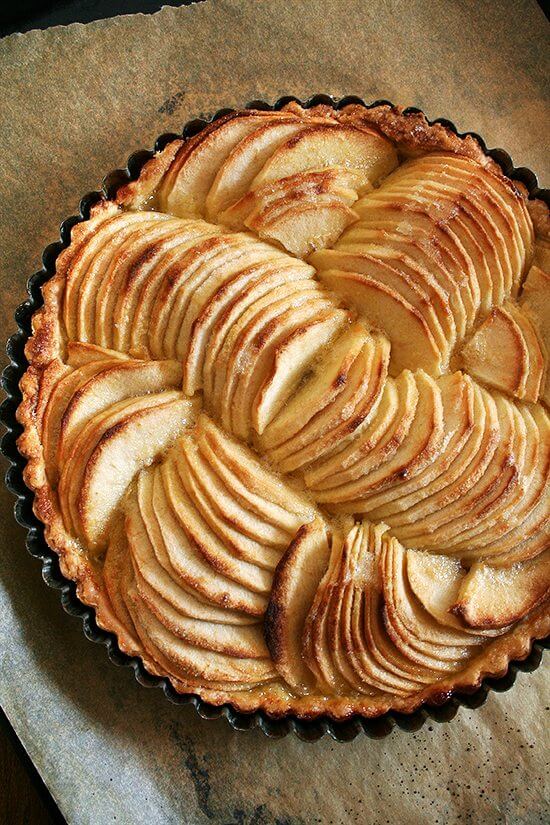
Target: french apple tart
[{"x": 286, "y": 415}]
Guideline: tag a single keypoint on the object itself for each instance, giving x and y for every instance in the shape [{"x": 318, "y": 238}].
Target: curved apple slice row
[
  {"x": 260, "y": 314},
  {"x": 401, "y": 272},
  {"x": 222, "y": 314},
  {"x": 412, "y": 343},
  {"x": 108, "y": 452},
  {"x": 191, "y": 664},
  {"x": 255, "y": 358},
  {"x": 346, "y": 416},
  {"x": 258, "y": 488},
  {"x": 505, "y": 353},
  {"x": 456, "y": 248},
  {"x": 329, "y": 374},
  {"x": 235, "y": 175},
  {"x": 103, "y": 234},
  {"x": 464, "y": 473},
  {"x": 185, "y": 187},
  {"x": 151, "y": 563},
  {"x": 127, "y": 305},
  {"x": 535, "y": 304},
  {"x": 366, "y": 153},
  {"x": 457, "y": 397},
  {"x": 221, "y": 286},
  {"x": 495, "y": 598},
  {"x": 192, "y": 566},
  {"x": 80, "y": 353},
  {"x": 117, "y": 572},
  {"x": 108, "y": 386},
  {"x": 436, "y": 581},
  {"x": 494, "y": 488},
  {"x": 413, "y": 630},
  {"x": 294, "y": 586}
]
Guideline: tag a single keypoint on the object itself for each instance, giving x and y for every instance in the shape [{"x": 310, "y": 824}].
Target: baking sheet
[{"x": 75, "y": 101}]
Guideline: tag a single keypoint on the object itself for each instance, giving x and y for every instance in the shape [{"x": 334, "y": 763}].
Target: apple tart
[{"x": 286, "y": 412}]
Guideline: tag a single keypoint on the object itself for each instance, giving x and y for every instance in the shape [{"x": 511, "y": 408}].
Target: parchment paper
[{"x": 74, "y": 102}]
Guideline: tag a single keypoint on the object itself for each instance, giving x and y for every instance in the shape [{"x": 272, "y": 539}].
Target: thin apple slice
[
  {"x": 412, "y": 343},
  {"x": 349, "y": 414},
  {"x": 80, "y": 353},
  {"x": 376, "y": 444},
  {"x": 257, "y": 486},
  {"x": 244, "y": 162},
  {"x": 493, "y": 598},
  {"x": 497, "y": 353},
  {"x": 306, "y": 226},
  {"x": 93, "y": 250},
  {"x": 457, "y": 396},
  {"x": 129, "y": 445},
  {"x": 436, "y": 581},
  {"x": 239, "y": 543},
  {"x": 493, "y": 483},
  {"x": 255, "y": 359},
  {"x": 292, "y": 358},
  {"x": 217, "y": 554},
  {"x": 364, "y": 152},
  {"x": 60, "y": 397},
  {"x": 116, "y": 575},
  {"x": 228, "y": 313},
  {"x": 152, "y": 567},
  {"x": 192, "y": 566},
  {"x": 123, "y": 379},
  {"x": 185, "y": 187},
  {"x": 256, "y": 312},
  {"x": 209, "y": 665},
  {"x": 409, "y": 450},
  {"x": 534, "y": 301},
  {"x": 328, "y": 377},
  {"x": 295, "y": 583}
]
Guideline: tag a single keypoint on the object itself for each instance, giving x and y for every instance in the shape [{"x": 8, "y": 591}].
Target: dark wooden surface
[{"x": 24, "y": 799}]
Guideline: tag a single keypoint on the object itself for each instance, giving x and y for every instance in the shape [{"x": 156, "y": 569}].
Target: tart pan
[{"x": 306, "y": 730}]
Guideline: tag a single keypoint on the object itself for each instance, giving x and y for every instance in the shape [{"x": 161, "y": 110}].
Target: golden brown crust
[{"x": 412, "y": 134}]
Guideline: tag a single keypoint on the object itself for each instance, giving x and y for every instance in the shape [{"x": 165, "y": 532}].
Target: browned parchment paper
[{"x": 74, "y": 102}]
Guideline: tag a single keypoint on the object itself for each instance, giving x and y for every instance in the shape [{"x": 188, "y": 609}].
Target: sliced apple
[
  {"x": 365, "y": 152},
  {"x": 292, "y": 358},
  {"x": 226, "y": 313},
  {"x": 127, "y": 446},
  {"x": 233, "y": 337},
  {"x": 123, "y": 379},
  {"x": 245, "y": 161},
  {"x": 116, "y": 575},
  {"x": 495, "y": 598},
  {"x": 534, "y": 301},
  {"x": 457, "y": 396},
  {"x": 258, "y": 486},
  {"x": 328, "y": 377},
  {"x": 254, "y": 360},
  {"x": 80, "y": 353},
  {"x": 192, "y": 566},
  {"x": 186, "y": 185},
  {"x": 343, "y": 419},
  {"x": 412, "y": 343},
  {"x": 217, "y": 554},
  {"x": 295, "y": 583},
  {"x": 152, "y": 566}
]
